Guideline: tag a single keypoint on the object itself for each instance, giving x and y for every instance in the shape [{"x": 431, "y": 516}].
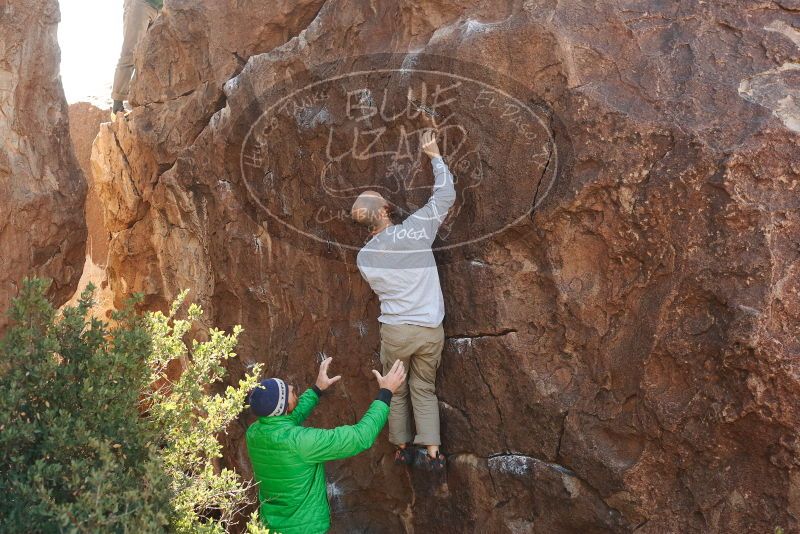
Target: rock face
[
  {"x": 620, "y": 274},
  {"x": 42, "y": 231},
  {"x": 84, "y": 124}
]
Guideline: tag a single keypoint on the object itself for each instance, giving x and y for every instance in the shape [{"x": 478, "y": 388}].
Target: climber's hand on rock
[
  {"x": 393, "y": 379},
  {"x": 429, "y": 145},
  {"x": 323, "y": 381}
]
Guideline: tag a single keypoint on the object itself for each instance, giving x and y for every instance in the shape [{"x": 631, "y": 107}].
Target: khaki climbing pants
[
  {"x": 137, "y": 15},
  {"x": 420, "y": 350}
]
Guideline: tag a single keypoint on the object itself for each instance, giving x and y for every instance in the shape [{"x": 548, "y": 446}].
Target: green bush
[
  {"x": 74, "y": 454},
  {"x": 95, "y": 438},
  {"x": 188, "y": 420}
]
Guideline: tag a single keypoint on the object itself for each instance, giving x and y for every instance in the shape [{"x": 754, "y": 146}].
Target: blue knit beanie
[{"x": 269, "y": 398}]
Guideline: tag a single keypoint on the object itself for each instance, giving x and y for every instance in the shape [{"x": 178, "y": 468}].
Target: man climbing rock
[
  {"x": 137, "y": 15},
  {"x": 400, "y": 268},
  {"x": 289, "y": 459}
]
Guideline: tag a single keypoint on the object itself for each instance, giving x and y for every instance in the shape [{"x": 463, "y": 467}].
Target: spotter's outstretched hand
[
  {"x": 393, "y": 379},
  {"x": 323, "y": 381}
]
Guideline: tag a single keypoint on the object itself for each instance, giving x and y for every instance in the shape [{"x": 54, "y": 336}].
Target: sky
[{"x": 90, "y": 36}]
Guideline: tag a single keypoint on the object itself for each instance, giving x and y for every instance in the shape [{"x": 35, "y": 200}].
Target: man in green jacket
[
  {"x": 289, "y": 459},
  {"x": 137, "y": 16}
]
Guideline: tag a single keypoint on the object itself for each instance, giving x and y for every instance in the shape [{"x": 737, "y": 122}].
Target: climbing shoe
[
  {"x": 426, "y": 462},
  {"x": 404, "y": 456}
]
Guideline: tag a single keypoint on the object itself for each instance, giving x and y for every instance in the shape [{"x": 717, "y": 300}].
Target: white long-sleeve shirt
[{"x": 398, "y": 262}]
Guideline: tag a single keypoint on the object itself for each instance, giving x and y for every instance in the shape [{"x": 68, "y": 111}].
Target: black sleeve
[{"x": 385, "y": 396}]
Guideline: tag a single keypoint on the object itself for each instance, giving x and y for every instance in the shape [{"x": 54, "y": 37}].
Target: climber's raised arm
[{"x": 427, "y": 220}]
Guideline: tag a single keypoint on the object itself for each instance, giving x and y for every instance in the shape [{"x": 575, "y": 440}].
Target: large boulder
[
  {"x": 620, "y": 274},
  {"x": 42, "y": 191}
]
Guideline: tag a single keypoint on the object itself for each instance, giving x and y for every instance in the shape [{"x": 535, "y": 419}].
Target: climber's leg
[
  {"x": 136, "y": 17},
  {"x": 397, "y": 344},
  {"x": 422, "y": 385}
]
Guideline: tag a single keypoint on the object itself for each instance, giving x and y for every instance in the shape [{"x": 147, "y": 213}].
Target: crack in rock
[{"x": 479, "y": 335}]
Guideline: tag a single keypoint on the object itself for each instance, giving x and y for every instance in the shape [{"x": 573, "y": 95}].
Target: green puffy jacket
[{"x": 289, "y": 463}]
